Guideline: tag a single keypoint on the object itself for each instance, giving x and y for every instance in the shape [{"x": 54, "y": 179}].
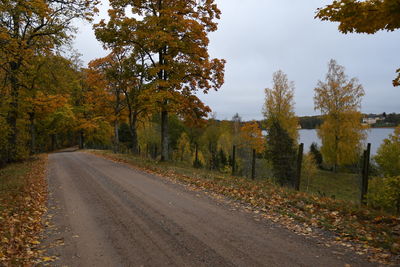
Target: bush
[
  {"x": 309, "y": 169},
  {"x": 384, "y": 193},
  {"x": 314, "y": 150},
  {"x": 388, "y": 155}
]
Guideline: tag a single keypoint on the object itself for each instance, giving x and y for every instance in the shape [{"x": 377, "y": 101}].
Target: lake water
[{"x": 375, "y": 137}]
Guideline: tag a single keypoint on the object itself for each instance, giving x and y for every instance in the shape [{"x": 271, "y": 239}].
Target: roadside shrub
[
  {"x": 388, "y": 155},
  {"x": 309, "y": 169},
  {"x": 315, "y": 151},
  {"x": 384, "y": 193}
]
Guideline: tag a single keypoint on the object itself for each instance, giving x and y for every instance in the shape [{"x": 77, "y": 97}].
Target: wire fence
[{"x": 347, "y": 183}]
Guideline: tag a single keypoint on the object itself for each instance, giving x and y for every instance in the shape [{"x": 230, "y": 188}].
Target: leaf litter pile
[
  {"x": 23, "y": 196},
  {"x": 368, "y": 232}
]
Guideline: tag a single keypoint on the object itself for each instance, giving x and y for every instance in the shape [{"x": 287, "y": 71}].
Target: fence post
[
  {"x": 253, "y": 165},
  {"x": 298, "y": 171},
  {"x": 233, "y": 160},
  {"x": 365, "y": 173}
]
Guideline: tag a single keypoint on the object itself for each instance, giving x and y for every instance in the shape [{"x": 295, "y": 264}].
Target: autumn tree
[
  {"x": 106, "y": 73},
  {"x": 172, "y": 37},
  {"x": 339, "y": 100},
  {"x": 50, "y": 82},
  {"x": 281, "y": 124},
  {"x": 279, "y": 105},
  {"x": 368, "y": 17},
  {"x": 251, "y": 137},
  {"x": 28, "y": 28},
  {"x": 184, "y": 152}
]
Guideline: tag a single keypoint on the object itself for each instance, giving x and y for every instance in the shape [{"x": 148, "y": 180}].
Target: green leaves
[
  {"x": 384, "y": 193},
  {"x": 388, "y": 155}
]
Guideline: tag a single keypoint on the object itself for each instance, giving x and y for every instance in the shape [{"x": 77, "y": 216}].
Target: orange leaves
[
  {"x": 44, "y": 104},
  {"x": 252, "y": 137},
  {"x": 21, "y": 213},
  {"x": 169, "y": 47},
  {"x": 396, "y": 82}
]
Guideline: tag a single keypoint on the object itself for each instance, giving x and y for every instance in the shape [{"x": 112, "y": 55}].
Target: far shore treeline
[
  {"x": 389, "y": 120},
  {"x": 385, "y": 120}
]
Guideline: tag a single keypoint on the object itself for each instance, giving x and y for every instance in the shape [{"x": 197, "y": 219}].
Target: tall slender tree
[
  {"x": 279, "y": 104},
  {"x": 281, "y": 124}
]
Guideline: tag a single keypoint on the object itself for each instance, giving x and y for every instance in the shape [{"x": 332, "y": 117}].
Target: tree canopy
[
  {"x": 339, "y": 100},
  {"x": 170, "y": 39}
]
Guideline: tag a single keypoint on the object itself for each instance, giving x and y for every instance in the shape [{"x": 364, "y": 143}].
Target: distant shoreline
[{"x": 383, "y": 127}]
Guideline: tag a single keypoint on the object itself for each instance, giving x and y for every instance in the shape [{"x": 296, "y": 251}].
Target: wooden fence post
[
  {"x": 253, "y": 165},
  {"x": 298, "y": 171},
  {"x": 233, "y": 160},
  {"x": 365, "y": 173}
]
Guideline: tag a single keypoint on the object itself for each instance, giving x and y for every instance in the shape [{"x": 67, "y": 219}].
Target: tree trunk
[
  {"x": 116, "y": 136},
  {"x": 53, "y": 142},
  {"x": 164, "y": 135},
  {"x": 132, "y": 126},
  {"x": 12, "y": 115},
  {"x": 32, "y": 132},
  {"x": 81, "y": 139}
]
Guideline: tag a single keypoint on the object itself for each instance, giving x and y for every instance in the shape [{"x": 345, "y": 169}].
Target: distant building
[{"x": 372, "y": 119}]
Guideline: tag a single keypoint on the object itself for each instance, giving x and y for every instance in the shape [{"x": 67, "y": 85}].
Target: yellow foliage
[
  {"x": 339, "y": 100},
  {"x": 184, "y": 152},
  {"x": 309, "y": 168},
  {"x": 279, "y": 104},
  {"x": 251, "y": 137},
  {"x": 341, "y": 137}
]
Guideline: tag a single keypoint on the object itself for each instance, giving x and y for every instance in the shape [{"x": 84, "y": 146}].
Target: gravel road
[{"x": 108, "y": 214}]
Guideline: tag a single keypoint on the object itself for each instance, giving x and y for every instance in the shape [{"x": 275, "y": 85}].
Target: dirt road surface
[{"x": 108, "y": 214}]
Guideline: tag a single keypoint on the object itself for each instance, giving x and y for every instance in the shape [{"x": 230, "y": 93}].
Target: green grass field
[{"x": 345, "y": 186}]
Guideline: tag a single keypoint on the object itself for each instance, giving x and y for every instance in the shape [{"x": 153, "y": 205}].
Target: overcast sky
[{"x": 259, "y": 37}]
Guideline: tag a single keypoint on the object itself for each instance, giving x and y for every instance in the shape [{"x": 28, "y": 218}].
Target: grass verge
[
  {"x": 344, "y": 186},
  {"x": 368, "y": 231},
  {"x": 23, "y": 195}
]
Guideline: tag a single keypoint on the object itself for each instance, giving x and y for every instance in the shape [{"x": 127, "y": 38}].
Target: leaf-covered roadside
[
  {"x": 23, "y": 196},
  {"x": 367, "y": 231}
]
